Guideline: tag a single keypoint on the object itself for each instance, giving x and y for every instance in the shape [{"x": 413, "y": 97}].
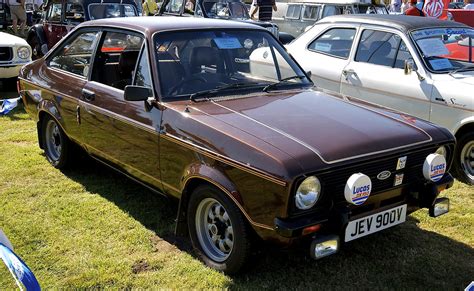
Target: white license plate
[{"x": 375, "y": 222}]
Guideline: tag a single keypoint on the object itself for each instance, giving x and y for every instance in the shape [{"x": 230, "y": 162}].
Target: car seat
[{"x": 127, "y": 63}]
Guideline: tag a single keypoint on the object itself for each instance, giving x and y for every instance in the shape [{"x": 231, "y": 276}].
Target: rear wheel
[
  {"x": 55, "y": 143},
  {"x": 218, "y": 230},
  {"x": 464, "y": 159}
]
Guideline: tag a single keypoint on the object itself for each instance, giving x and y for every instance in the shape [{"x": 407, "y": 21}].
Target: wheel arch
[
  {"x": 465, "y": 128},
  {"x": 45, "y": 110},
  {"x": 212, "y": 177}
]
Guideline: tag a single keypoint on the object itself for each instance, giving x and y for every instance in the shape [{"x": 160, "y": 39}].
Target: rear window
[{"x": 111, "y": 10}]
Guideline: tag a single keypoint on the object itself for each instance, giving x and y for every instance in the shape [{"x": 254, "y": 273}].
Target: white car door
[
  {"x": 376, "y": 73},
  {"x": 324, "y": 50}
]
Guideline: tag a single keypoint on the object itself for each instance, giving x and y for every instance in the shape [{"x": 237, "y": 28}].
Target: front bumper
[
  {"x": 336, "y": 219},
  {"x": 11, "y": 70}
]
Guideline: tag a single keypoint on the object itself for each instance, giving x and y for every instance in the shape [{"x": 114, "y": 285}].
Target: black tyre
[
  {"x": 56, "y": 144},
  {"x": 218, "y": 230},
  {"x": 464, "y": 159}
]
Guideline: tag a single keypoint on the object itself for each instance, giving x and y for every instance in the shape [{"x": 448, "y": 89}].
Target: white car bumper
[{"x": 10, "y": 71}]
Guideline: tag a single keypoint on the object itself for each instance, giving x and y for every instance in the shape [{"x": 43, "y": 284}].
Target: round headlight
[
  {"x": 23, "y": 52},
  {"x": 308, "y": 193},
  {"x": 442, "y": 151}
]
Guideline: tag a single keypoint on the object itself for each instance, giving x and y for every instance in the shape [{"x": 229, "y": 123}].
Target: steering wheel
[{"x": 176, "y": 87}]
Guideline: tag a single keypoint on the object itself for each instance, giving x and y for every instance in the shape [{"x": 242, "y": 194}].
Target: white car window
[
  {"x": 335, "y": 42},
  {"x": 382, "y": 48}
]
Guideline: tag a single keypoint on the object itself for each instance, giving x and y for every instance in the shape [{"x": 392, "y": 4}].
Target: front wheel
[
  {"x": 464, "y": 159},
  {"x": 218, "y": 230},
  {"x": 55, "y": 143}
]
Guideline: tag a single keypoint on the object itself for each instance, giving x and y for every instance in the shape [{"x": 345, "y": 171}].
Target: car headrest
[
  {"x": 127, "y": 62},
  {"x": 205, "y": 56}
]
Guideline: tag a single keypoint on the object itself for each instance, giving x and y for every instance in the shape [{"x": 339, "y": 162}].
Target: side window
[
  {"x": 75, "y": 55},
  {"x": 402, "y": 55},
  {"x": 116, "y": 59},
  {"x": 311, "y": 12},
  {"x": 74, "y": 12},
  {"x": 336, "y": 42},
  {"x": 54, "y": 12},
  {"x": 143, "y": 75},
  {"x": 380, "y": 48},
  {"x": 293, "y": 12},
  {"x": 174, "y": 6}
]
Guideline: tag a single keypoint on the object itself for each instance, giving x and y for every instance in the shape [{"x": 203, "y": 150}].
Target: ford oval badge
[{"x": 384, "y": 175}]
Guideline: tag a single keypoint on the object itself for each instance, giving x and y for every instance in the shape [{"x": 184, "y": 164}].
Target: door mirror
[
  {"x": 137, "y": 93},
  {"x": 409, "y": 66}
]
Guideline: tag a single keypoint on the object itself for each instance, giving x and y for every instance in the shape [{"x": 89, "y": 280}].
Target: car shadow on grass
[{"x": 402, "y": 257}]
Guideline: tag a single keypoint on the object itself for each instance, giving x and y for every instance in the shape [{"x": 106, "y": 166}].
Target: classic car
[
  {"x": 251, "y": 153},
  {"x": 14, "y": 53},
  {"x": 420, "y": 66},
  {"x": 294, "y": 17},
  {"x": 220, "y": 9},
  {"x": 62, "y": 15}
]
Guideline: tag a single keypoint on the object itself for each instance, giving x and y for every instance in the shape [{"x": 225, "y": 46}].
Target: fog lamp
[
  {"x": 324, "y": 246},
  {"x": 440, "y": 207}
]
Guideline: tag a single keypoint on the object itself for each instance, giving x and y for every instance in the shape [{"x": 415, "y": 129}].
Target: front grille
[
  {"x": 6, "y": 54},
  {"x": 335, "y": 181}
]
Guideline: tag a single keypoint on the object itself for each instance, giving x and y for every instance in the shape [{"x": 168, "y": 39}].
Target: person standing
[
  {"x": 264, "y": 9},
  {"x": 413, "y": 10},
  {"x": 395, "y": 6},
  {"x": 469, "y": 4},
  {"x": 150, "y": 8},
  {"x": 18, "y": 14},
  {"x": 404, "y": 6}
]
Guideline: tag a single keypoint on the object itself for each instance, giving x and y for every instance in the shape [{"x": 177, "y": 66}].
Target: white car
[
  {"x": 421, "y": 66},
  {"x": 14, "y": 53}
]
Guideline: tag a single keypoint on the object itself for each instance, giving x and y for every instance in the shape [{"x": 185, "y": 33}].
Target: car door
[
  {"x": 376, "y": 73},
  {"x": 66, "y": 70},
  {"x": 328, "y": 52},
  {"x": 122, "y": 133},
  {"x": 54, "y": 28}
]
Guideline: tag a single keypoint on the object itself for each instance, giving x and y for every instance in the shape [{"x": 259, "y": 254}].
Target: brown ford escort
[{"x": 218, "y": 115}]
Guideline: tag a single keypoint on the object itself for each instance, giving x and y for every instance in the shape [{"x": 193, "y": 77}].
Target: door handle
[
  {"x": 440, "y": 99},
  {"x": 348, "y": 72},
  {"x": 88, "y": 95}
]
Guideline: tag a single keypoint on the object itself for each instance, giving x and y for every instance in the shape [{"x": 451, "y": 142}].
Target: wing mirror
[
  {"x": 137, "y": 93},
  {"x": 410, "y": 67}
]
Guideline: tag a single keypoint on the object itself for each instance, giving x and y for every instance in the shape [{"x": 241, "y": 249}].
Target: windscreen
[
  {"x": 111, "y": 10},
  {"x": 195, "y": 61},
  {"x": 445, "y": 49}
]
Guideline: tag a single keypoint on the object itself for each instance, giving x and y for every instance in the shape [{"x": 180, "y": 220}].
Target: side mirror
[
  {"x": 308, "y": 73},
  {"x": 137, "y": 93},
  {"x": 409, "y": 66}
]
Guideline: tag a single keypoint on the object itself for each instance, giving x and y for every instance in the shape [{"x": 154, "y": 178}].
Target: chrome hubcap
[
  {"x": 214, "y": 230},
  {"x": 53, "y": 140},
  {"x": 467, "y": 159}
]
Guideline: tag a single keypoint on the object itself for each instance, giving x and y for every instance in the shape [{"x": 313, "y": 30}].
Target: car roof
[
  {"x": 150, "y": 25},
  {"x": 401, "y": 22}
]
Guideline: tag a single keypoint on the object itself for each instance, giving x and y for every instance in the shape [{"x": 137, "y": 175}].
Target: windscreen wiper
[
  {"x": 282, "y": 81},
  {"x": 207, "y": 93},
  {"x": 463, "y": 69}
]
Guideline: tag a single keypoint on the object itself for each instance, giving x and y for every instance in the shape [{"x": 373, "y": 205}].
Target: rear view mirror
[{"x": 137, "y": 93}]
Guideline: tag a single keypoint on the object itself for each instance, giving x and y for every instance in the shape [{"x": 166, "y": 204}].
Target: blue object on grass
[{"x": 8, "y": 105}]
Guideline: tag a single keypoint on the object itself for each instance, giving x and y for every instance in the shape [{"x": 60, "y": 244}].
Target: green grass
[{"x": 90, "y": 227}]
